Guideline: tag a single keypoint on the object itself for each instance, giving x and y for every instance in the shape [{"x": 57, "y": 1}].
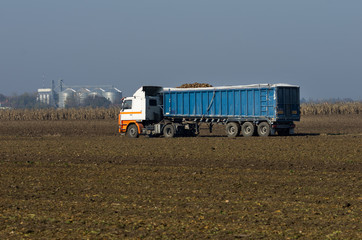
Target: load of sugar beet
[{"x": 195, "y": 85}]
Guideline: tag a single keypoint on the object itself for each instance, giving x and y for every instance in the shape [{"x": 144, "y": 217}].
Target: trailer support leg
[{"x": 210, "y": 127}]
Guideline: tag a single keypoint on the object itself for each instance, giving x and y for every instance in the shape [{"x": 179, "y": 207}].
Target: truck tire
[
  {"x": 132, "y": 131},
  {"x": 263, "y": 129},
  {"x": 247, "y": 129},
  {"x": 232, "y": 129},
  {"x": 169, "y": 131}
]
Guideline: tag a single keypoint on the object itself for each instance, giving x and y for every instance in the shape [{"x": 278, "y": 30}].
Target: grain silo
[
  {"x": 69, "y": 92},
  {"x": 97, "y": 92},
  {"x": 113, "y": 95},
  {"x": 82, "y": 94}
]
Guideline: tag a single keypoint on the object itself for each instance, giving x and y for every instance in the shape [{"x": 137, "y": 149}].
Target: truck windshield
[{"x": 127, "y": 104}]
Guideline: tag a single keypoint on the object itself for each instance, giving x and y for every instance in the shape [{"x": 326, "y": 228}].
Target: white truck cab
[{"x": 144, "y": 107}]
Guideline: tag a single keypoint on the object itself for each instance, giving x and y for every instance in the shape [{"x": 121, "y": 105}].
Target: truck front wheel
[
  {"x": 263, "y": 129},
  {"x": 169, "y": 131},
  {"x": 132, "y": 131}
]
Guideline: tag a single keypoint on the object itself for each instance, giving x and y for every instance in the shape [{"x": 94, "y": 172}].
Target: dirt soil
[{"x": 82, "y": 180}]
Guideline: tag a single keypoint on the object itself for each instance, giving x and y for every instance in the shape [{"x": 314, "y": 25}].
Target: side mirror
[{"x": 122, "y": 104}]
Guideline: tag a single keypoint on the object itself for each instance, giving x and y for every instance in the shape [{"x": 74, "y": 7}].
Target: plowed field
[{"x": 81, "y": 179}]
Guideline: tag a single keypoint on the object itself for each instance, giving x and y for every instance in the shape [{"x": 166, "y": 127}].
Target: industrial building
[
  {"x": 58, "y": 96},
  {"x": 46, "y": 96}
]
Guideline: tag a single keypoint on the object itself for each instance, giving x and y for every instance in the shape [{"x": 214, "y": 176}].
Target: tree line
[{"x": 30, "y": 101}]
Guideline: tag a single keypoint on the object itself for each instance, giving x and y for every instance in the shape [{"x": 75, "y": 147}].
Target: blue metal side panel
[
  {"x": 244, "y": 101},
  {"x": 166, "y": 101},
  {"x": 255, "y": 102},
  {"x": 250, "y": 103},
  {"x": 217, "y": 102},
  {"x": 205, "y": 103},
  {"x": 198, "y": 104},
  {"x": 263, "y": 102},
  {"x": 223, "y": 103},
  {"x": 174, "y": 103},
  {"x": 211, "y": 105},
  {"x": 237, "y": 103},
  {"x": 192, "y": 104},
  {"x": 230, "y": 103},
  {"x": 271, "y": 103},
  {"x": 186, "y": 101},
  {"x": 179, "y": 103},
  {"x": 257, "y": 105}
]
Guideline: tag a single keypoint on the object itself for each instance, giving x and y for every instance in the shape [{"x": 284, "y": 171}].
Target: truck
[{"x": 247, "y": 110}]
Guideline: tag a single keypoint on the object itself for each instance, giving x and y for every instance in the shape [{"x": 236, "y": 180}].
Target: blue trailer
[{"x": 259, "y": 109}]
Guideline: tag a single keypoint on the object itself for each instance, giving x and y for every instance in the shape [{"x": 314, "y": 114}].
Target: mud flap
[
  {"x": 272, "y": 131},
  {"x": 291, "y": 131}
]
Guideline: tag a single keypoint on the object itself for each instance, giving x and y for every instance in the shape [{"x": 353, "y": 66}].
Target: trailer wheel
[
  {"x": 263, "y": 129},
  {"x": 169, "y": 131},
  {"x": 232, "y": 129},
  {"x": 132, "y": 131},
  {"x": 247, "y": 129}
]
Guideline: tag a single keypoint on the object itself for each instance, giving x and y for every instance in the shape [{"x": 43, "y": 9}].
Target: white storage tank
[
  {"x": 69, "y": 92},
  {"x": 113, "y": 95},
  {"x": 97, "y": 92},
  {"x": 82, "y": 94}
]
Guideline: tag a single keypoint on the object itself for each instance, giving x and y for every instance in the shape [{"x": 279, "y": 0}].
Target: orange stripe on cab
[{"x": 130, "y": 113}]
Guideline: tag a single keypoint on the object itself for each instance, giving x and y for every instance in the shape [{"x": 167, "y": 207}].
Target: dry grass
[
  {"x": 112, "y": 113},
  {"x": 331, "y": 108},
  {"x": 60, "y": 114}
]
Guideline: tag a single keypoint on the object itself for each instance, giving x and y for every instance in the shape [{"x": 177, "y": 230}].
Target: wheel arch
[{"x": 139, "y": 126}]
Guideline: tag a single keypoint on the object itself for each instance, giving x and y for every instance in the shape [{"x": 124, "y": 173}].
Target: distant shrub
[{"x": 96, "y": 102}]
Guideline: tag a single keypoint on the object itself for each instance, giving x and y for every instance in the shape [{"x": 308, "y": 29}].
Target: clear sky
[{"x": 316, "y": 44}]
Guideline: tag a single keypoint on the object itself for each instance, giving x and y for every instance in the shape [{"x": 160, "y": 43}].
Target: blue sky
[{"x": 312, "y": 43}]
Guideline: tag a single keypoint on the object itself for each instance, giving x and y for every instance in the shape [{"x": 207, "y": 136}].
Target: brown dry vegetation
[
  {"x": 81, "y": 179},
  {"x": 112, "y": 113},
  {"x": 60, "y": 114},
  {"x": 331, "y": 108},
  {"x": 195, "y": 85}
]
